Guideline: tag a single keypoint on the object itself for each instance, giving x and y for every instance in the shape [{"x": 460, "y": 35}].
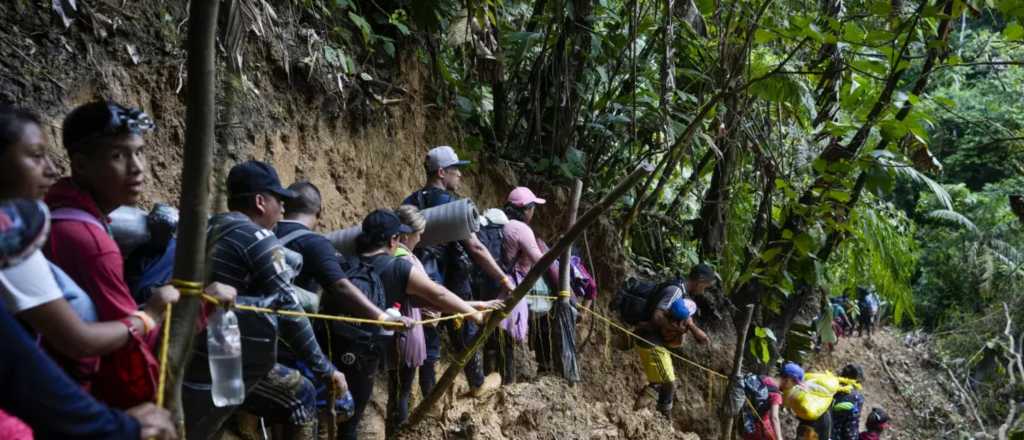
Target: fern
[{"x": 953, "y": 217}]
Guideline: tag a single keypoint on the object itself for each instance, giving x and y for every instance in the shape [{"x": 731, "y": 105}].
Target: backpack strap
[
  {"x": 290, "y": 237},
  {"x": 78, "y": 215}
]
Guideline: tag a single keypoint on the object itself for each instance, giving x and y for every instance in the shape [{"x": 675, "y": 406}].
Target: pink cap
[{"x": 522, "y": 196}]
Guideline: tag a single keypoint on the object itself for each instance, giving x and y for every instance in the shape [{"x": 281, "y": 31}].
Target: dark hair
[
  {"x": 240, "y": 203},
  {"x": 308, "y": 200},
  {"x": 517, "y": 212},
  {"x": 369, "y": 243},
  {"x": 83, "y": 122},
  {"x": 12, "y": 121},
  {"x": 852, "y": 371},
  {"x": 702, "y": 272}
]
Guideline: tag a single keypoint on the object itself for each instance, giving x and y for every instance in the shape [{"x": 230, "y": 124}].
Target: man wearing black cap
[
  {"x": 399, "y": 279},
  {"x": 243, "y": 252},
  {"x": 450, "y": 264}
]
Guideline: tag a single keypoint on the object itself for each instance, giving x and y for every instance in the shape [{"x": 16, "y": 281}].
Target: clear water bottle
[{"x": 224, "y": 346}]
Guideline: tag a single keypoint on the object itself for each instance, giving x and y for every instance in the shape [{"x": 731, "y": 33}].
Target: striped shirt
[{"x": 251, "y": 259}]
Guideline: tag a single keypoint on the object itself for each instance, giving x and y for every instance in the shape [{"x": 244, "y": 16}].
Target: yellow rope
[
  {"x": 164, "y": 343},
  {"x": 623, "y": 329}
]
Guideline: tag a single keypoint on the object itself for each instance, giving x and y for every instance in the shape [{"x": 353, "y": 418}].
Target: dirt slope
[{"x": 901, "y": 378}]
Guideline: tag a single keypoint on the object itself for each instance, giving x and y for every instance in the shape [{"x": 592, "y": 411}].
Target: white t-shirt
[{"x": 29, "y": 284}]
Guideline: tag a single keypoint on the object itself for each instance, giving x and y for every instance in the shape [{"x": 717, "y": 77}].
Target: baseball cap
[
  {"x": 384, "y": 224},
  {"x": 792, "y": 370},
  {"x": 443, "y": 157},
  {"x": 522, "y": 196},
  {"x": 682, "y": 309},
  {"x": 24, "y": 226},
  {"x": 252, "y": 177}
]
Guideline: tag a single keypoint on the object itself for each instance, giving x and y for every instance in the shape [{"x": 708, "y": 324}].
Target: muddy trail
[{"x": 900, "y": 377}]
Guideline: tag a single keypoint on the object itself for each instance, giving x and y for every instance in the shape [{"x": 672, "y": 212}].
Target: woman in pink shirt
[{"x": 522, "y": 250}]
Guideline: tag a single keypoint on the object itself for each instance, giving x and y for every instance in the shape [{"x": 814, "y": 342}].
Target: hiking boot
[
  {"x": 665, "y": 411},
  {"x": 491, "y": 384},
  {"x": 24, "y": 226}
]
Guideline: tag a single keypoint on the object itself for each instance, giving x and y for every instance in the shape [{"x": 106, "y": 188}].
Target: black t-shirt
[
  {"x": 394, "y": 274},
  {"x": 320, "y": 264}
]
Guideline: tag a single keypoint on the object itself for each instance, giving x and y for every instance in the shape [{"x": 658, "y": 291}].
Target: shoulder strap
[
  {"x": 75, "y": 214},
  {"x": 421, "y": 200},
  {"x": 290, "y": 237},
  {"x": 224, "y": 231}
]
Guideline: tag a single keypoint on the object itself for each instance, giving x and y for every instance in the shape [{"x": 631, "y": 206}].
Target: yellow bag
[{"x": 810, "y": 399}]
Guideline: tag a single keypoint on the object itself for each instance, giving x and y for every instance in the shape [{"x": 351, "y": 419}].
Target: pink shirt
[{"x": 521, "y": 247}]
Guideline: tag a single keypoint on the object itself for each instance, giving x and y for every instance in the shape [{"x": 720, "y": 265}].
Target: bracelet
[
  {"x": 147, "y": 321},
  {"x": 127, "y": 321}
]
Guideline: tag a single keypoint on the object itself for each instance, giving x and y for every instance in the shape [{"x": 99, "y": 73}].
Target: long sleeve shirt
[
  {"x": 39, "y": 393},
  {"x": 251, "y": 259}
]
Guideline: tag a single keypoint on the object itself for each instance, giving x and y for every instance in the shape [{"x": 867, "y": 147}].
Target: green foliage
[{"x": 882, "y": 253}]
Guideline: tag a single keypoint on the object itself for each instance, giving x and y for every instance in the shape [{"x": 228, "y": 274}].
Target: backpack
[
  {"x": 755, "y": 390},
  {"x": 492, "y": 237},
  {"x": 360, "y": 339},
  {"x": 636, "y": 300}
]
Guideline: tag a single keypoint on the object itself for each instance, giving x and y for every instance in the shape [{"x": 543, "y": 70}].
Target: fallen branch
[{"x": 522, "y": 289}]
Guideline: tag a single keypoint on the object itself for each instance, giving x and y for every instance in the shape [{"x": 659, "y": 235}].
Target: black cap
[
  {"x": 252, "y": 177},
  {"x": 703, "y": 272},
  {"x": 383, "y": 223}
]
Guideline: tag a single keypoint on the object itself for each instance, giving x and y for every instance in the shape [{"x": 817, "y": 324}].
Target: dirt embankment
[{"x": 361, "y": 153}]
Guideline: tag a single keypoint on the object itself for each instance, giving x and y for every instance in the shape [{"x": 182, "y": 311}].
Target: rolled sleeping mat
[
  {"x": 445, "y": 223},
  {"x": 344, "y": 240},
  {"x": 450, "y": 222},
  {"x": 130, "y": 228}
]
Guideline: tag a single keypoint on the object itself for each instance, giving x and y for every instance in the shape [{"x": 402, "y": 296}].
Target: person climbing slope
[
  {"x": 670, "y": 317},
  {"x": 847, "y": 406},
  {"x": 450, "y": 264},
  {"x": 876, "y": 424},
  {"x": 385, "y": 279},
  {"x": 764, "y": 396},
  {"x": 243, "y": 252}
]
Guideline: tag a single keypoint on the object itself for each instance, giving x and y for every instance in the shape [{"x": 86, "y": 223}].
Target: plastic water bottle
[
  {"x": 224, "y": 346},
  {"x": 393, "y": 312}
]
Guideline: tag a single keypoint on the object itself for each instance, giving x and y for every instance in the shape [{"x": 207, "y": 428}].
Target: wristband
[
  {"x": 127, "y": 321},
  {"x": 147, "y": 321}
]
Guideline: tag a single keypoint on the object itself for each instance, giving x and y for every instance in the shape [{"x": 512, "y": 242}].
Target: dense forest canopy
[{"x": 800, "y": 146}]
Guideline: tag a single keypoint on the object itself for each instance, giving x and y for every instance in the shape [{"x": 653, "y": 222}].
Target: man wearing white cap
[{"x": 450, "y": 264}]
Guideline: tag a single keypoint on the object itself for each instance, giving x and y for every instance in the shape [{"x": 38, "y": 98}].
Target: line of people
[{"x": 100, "y": 326}]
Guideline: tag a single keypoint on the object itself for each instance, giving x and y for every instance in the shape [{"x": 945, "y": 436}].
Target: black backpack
[
  {"x": 636, "y": 300},
  {"x": 492, "y": 237},
  {"x": 758, "y": 394},
  {"x": 364, "y": 338}
]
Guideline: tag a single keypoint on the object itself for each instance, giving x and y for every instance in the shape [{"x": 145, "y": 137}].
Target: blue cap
[
  {"x": 24, "y": 226},
  {"x": 678, "y": 310},
  {"x": 253, "y": 177},
  {"x": 793, "y": 371}
]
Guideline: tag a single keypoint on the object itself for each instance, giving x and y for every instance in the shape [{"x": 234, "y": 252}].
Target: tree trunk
[{"x": 189, "y": 259}]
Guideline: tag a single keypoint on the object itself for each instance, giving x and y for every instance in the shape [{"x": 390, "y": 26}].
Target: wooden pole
[
  {"x": 566, "y": 283},
  {"x": 567, "y": 330},
  {"x": 189, "y": 259},
  {"x": 521, "y": 290},
  {"x": 737, "y": 365}
]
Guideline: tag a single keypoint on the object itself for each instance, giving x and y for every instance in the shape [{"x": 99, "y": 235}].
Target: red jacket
[{"x": 90, "y": 256}]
